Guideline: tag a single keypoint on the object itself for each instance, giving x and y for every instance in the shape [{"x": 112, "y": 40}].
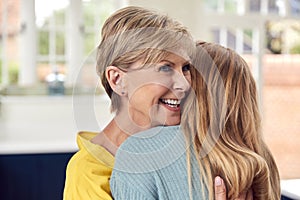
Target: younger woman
[{"x": 226, "y": 119}]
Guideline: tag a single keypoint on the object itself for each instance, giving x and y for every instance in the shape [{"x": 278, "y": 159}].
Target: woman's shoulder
[
  {"x": 151, "y": 139},
  {"x": 150, "y": 150},
  {"x": 91, "y": 153},
  {"x": 164, "y": 133}
]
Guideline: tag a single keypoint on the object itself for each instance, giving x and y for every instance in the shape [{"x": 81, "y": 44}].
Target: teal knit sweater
[{"x": 152, "y": 165}]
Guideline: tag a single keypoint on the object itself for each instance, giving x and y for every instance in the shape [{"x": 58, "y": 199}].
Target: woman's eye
[
  {"x": 186, "y": 68},
  {"x": 165, "y": 68}
]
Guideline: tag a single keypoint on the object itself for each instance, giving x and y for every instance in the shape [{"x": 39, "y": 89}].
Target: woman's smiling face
[{"x": 156, "y": 92}]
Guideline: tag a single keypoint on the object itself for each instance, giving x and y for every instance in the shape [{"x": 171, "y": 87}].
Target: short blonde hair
[{"x": 134, "y": 34}]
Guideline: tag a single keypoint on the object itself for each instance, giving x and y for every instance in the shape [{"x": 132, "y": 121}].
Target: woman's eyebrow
[{"x": 170, "y": 62}]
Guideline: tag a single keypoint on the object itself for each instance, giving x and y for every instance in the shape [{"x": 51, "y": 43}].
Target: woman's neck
[
  {"x": 110, "y": 138},
  {"x": 116, "y": 132}
]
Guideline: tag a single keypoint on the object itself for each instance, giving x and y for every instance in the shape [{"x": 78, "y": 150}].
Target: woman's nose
[{"x": 181, "y": 82}]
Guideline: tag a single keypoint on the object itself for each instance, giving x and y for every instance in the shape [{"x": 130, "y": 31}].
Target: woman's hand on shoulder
[{"x": 220, "y": 191}]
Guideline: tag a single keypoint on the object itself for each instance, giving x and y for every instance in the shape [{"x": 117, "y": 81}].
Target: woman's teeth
[{"x": 171, "y": 102}]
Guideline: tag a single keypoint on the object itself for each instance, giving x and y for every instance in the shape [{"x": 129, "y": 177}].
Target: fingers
[{"x": 220, "y": 189}]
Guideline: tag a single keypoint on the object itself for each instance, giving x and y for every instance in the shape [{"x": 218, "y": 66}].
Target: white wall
[
  {"x": 39, "y": 124},
  {"x": 186, "y": 12}
]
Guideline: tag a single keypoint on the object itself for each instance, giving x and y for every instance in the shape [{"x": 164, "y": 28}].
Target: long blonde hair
[{"x": 222, "y": 113}]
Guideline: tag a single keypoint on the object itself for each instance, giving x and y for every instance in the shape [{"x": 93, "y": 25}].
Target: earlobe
[{"x": 115, "y": 78}]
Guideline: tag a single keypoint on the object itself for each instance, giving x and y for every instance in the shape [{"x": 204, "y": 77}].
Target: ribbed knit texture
[{"x": 152, "y": 165}]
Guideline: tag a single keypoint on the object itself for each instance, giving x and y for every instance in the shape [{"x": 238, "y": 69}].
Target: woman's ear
[{"x": 115, "y": 78}]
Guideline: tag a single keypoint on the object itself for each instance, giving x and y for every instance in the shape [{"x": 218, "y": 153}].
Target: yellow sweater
[{"x": 88, "y": 171}]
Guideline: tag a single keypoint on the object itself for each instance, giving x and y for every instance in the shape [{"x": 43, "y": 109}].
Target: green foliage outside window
[
  {"x": 13, "y": 72},
  {"x": 295, "y": 49},
  {"x": 60, "y": 43},
  {"x": 43, "y": 42}
]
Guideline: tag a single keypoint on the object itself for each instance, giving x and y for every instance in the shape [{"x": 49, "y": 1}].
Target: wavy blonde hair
[{"x": 223, "y": 113}]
